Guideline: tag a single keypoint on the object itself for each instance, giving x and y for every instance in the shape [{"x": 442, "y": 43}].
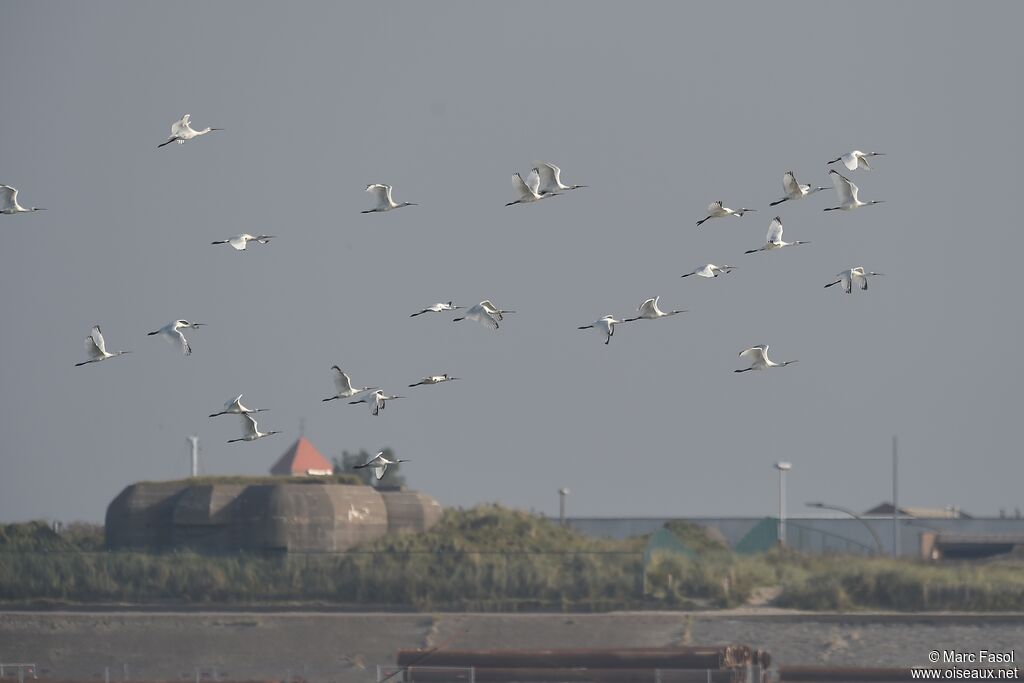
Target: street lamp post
[
  {"x": 782, "y": 467},
  {"x": 562, "y": 493},
  {"x": 825, "y": 506}
]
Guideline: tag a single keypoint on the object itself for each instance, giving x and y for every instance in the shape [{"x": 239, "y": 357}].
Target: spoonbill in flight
[
  {"x": 9, "y": 202},
  {"x": 384, "y": 201},
  {"x": 437, "y": 308},
  {"x": 182, "y": 130},
  {"x": 239, "y": 241},
  {"x": 96, "y": 348},
  {"x": 774, "y": 240},
  {"x": 605, "y": 326},
  {"x": 795, "y": 190},
  {"x": 710, "y": 270},
  {"x": 379, "y": 464},
  {"x": 847, "y": 192},
  {"x": 343, "y": 385},
  {"x": 856, "y": 159},
  {"x": 717, "y": 210},
  {"x": 376, "y": 399},
  {"x": 250, "y": 432},
  {"x": 172, "y": 333},
  {"x": 551, "y": 178},
  {"x": 758, "y": 357},
  {"x": 529, "y": 191},
  {"x": 485, "y": 313},
  {"x": 234, "y": 407},
  {"x": 853, "y": 276},
  {"x": 434, "y": 379},
  {"x": 649, "y": 311}
]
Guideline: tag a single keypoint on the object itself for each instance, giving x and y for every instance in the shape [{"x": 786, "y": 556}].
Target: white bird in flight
[
  {"x": 605, "y": 326},
  {"x": 717, "y": 210},
  {"x": 343, "y": 385},
  {"x": 172, "y": 333},
  {"x": 234, "y": 407},
  {"x": 239, "y": 242},
  {"x": 376, "y": 399},
  {"x": 250, "y": 432},
  {"x": 847, "y": 192},
  {"x": 795, "y": 190},
  {"x": 856, "y": 159},
  {"x": 384, "y": 201},
  {"x": 529, "y": 191},
  {"x": 774, "y": 239},
  {"x": 437, "y": 308},
  {"x": 182, "y": 130},
  {"x": 853, "y": 276},
  {"x": 96, "y": 348},
  {"x": 758, "y": 357},
  {"x": 551, "y": 178},
  {"x": 485, "y": 313},
  {"x": 434, "y": 379},
  {"x": 379, "y": 464},
  {"x": 710, "y": 270},
  {"x": 9, "y": 202},
  {"x": 649, "y": 311}
]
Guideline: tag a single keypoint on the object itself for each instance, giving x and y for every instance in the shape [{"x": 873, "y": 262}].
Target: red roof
[{"x": 300, "y": 459}]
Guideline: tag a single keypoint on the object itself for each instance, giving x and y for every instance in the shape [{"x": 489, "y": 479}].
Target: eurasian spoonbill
[
  {"x": 182, "y": 130},
  {"x": 774, "y": 239},
  {"x": 96, "y": 348},
  {"x": 172, "y": 333},
  {"x": 758, "y": 357}
]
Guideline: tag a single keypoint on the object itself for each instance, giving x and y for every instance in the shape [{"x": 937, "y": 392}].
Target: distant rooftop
[
  {"x": 302, "y": 459},
  {"x": 948, "y": 512}
]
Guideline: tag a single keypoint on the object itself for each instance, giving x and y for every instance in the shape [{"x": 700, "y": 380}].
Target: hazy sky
[{"x": 659, "y": 108}]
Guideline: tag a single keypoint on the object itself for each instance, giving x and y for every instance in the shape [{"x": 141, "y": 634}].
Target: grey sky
[{"x": 660, "y": 108}]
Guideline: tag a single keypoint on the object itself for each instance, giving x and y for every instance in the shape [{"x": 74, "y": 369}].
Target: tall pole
[
  {"x": 782, "y": 507},
  {"x": 782, "y": 467},
  {"x": 194, "y": 441},
  {"x": 895, "y": 502},
  {"x": 562, "y": 493}
]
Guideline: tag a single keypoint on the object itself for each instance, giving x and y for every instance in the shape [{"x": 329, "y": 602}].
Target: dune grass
[{"x": 490, "y": 558}]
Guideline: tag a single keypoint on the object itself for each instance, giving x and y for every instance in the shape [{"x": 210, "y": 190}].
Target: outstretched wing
[
  {"x": 483, "y": 316},
  {"x": 775, "y": 231},
  {"x": 97, "y": 338},
  {"x": 648, "y": 306},
  {"x": 8, "y": 197},
  {"x": 521, "y": 187},
  {"x": 381, "y": 193},
  {"x": 91, "y": 350},
  {"x": 846, "y": 190},
  {"x": 789, "y": 184},
  {"x": 248, "y": 425},
  {"x": 550, "y": 176},
  {"x": 755, "y": 354},
  {"x": 533, "y": 181},
  {"x": 179, "y": 127},
  {"x": 238, "y": 242},
  {"x": 379, "y": 470},
  {"x": 343, "y": 382}
]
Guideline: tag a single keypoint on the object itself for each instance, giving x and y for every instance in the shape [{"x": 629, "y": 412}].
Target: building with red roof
[{"x": 302, "y": 459}]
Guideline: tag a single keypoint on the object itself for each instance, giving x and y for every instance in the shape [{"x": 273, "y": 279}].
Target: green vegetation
[{"x": 491, "y": 558}]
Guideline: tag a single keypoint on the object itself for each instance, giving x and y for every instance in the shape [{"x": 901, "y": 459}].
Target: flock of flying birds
[{"x": 543, "y": 182}]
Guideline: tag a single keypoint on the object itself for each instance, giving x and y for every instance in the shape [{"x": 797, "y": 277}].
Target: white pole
[
  {"x": 895, "y": 502},
  {"x": 194, "y": 441},
  {"x": 782, "y": 507}
]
